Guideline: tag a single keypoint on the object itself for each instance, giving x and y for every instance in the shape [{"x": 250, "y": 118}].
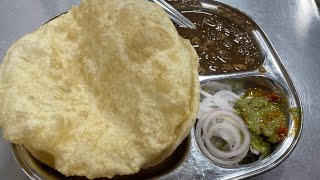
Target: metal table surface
[{"x": 293, "y": 27}]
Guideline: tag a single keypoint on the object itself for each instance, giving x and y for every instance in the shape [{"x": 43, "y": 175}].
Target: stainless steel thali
[{"x": 188, "y": 162}]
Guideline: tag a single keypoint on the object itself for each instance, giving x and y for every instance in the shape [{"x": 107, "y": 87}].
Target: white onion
[
  {"x": 225, "y": 99},
  {"x": 209, "y": 101},
  {"x": 254, "y": 151},
  {"x": 216, "y": 118},
  {"x": 205, "y": 94},
  {"x": 203, "y": 109},
  {"x": 231, "y": 129},
  {"x": 233, "y": 138},
  {"x": 214, "y": 150}
]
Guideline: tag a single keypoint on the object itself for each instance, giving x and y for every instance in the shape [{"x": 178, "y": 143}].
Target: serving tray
[{"x": 188, "y": 161}]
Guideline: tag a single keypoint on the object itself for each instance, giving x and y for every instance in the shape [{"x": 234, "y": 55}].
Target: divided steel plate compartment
[{"x": 188, "y": 161}]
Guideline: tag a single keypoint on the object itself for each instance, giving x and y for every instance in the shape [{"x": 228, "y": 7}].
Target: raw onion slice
[
  {"x": 208, "y": 102},
  {"x": 227, "y": 132},
  {"x": 225, "y": 99},
  {"x": 254, "y": 151},
  {"x": 203, "y": 109},
  {"x": 227, "y": 126},
  {"x": 205, "y": 94}
]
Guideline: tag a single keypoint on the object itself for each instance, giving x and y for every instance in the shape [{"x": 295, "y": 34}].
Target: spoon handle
[{"x": 175, "y": 15}]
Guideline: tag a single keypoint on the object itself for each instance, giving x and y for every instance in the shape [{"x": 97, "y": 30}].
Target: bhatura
[{"x": 105, "y": 89}]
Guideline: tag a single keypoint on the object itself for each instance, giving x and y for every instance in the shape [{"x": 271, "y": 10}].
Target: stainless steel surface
[
  {"x": 175, "y": 15},
  {"x": 293, "y": 26},
  {"x": 275, "y": 77},
  {"x": 199, "y": 165}
]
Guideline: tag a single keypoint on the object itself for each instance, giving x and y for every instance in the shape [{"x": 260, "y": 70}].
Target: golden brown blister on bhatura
[{"x": 105, "y": 89}]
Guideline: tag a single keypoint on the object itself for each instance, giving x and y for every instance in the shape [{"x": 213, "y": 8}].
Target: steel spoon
[{"x": 175, "y": 15}]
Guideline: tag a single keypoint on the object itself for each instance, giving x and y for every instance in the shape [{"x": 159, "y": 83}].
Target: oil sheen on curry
[{"x": 222, "y": 45}]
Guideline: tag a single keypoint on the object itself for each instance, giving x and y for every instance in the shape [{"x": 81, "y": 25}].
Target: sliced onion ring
[
  {"x": 209, "y": 126},
  {"x": 205, "y": 94},
  {"x": 225, "y": 99}
]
